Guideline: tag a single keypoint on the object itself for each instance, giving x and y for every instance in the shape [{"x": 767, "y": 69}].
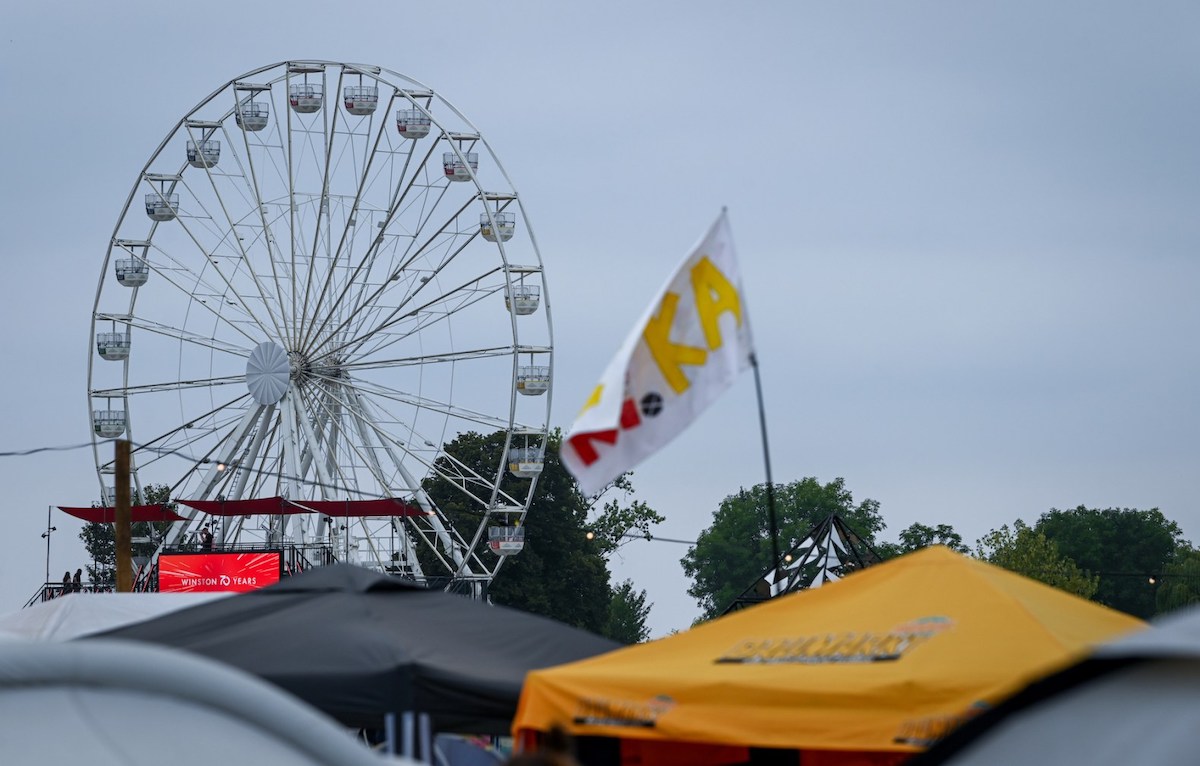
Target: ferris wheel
[{"x": 321, "y": 280}]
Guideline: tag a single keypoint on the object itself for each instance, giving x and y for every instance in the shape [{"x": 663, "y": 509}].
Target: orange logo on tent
[
  {"x": 849, "y": 647},
  {"x": 607, "y": 712}
]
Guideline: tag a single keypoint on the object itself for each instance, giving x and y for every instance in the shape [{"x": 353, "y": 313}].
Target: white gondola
[
  {"x": 525, "y": 462},
  {"x": 203, "y": 154},
  {"x": 162, "y": 206},
  {"x": 412, "y": 123},
  {"x": 306, "y": 97},
  {"x": 504, "y": 541},
  {"x": 111, "y": 500},
  {"x": 108, "y": 423},
  {"x": 252, "y": 116},
  {"x": 460, "y": 167},
  {"x": 131, "y": 272},
  {"x": 522, "y": 299},
  {"x": 360, "y": 99},
  {"x": 533, "y": 380},
  {"x": 113, "y": 346},
  {"x": 506, "y": 224}
]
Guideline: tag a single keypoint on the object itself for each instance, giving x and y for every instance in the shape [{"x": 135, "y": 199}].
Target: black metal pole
[
  {"x": 49, "y": 530},
  {"x": 762, "y": 420}
]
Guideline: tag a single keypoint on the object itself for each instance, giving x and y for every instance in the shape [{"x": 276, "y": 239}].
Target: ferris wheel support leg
[
  {"x": 252, "y": 453},
  {"x": 179, "y": 529},
  {"x": 291, "y": 462},
  {"x": 311, "y": 458}
]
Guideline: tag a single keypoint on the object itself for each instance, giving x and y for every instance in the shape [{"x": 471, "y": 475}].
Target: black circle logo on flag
[{"x": 651, "y": 404}]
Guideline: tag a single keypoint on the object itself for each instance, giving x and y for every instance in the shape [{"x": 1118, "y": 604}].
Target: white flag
[{"x": 686, "y": 350}]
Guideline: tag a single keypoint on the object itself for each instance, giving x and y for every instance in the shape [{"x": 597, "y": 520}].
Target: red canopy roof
[
  {"x": 270, "y": 506},
  {"x": 108, "y": 514}
]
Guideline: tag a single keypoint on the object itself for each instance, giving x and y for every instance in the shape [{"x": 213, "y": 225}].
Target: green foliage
[
  {"x": 627, "y": 613},
  {"x": 560, "y": 573},
  {"x": 623, "y": 519},
  {"x": 1179, "y": 584},
  {"x": 1124, "y": 546},
  {"x": 732, "y": 554},
  {"x": 99, "y": 540},
  {"x": 1030, "y": 553},
  {"x": 918, "y": 536}
]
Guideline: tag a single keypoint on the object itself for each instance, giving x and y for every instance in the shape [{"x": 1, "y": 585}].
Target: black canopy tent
[{"x": 360, "y": 645}]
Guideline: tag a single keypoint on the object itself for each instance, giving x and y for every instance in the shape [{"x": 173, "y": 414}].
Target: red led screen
[{"x": 236, "y": 572}]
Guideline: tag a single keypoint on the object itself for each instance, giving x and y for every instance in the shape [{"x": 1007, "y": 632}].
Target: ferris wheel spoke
[
  {"x": 439, "y": 238},
  {"x": 432, "y": 405},
  {"x": 180, "y": 439},
  {"x": 367, "y": 263},
  {"x": 175, "y": 333},
  {"x": 445, "y": 534},
  {"x": 154, "y": 388},
  {"x": 363, "y": 177},
  {"x": 489, "y": 352},
  {"x": 322, "y": 223},
  {"x": 214, "y": 292},
  {"x": 169, "y": 277},
  {"x": 438, "y": 309},
  {"x": 249, "y": 197},
  {"x": 254, "y": 182}
]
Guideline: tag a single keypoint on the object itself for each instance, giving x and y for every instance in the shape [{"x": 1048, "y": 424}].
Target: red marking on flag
[
  {"x": 582, "y": 444},
  {"x": 629, "y": 415}
]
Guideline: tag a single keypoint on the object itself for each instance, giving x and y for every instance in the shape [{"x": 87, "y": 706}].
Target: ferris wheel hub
[{"x": 268, "y": 372}]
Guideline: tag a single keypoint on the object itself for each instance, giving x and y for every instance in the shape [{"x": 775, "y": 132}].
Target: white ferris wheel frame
[{"x": 301, "y": 421}]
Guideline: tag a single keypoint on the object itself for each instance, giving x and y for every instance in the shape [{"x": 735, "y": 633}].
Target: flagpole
[{"x": 762, "y": 420}]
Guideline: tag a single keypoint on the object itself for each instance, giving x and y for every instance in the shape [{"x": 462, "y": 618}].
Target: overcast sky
[{"x": 968, "y": 231}]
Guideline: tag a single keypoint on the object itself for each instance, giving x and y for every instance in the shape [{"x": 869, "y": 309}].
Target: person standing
[
  {"x": 206, "y": 539},
  {"x": 77, "y": 581},
  {"x": 66, "y": 582}
]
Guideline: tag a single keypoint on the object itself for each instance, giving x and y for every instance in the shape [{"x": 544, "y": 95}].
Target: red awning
[
  {"x": 108, "y": 514},
  {"x": 273, "y": 506},
  {"x": 259, "y": 506},
  {"x": 388, "y": 506}
]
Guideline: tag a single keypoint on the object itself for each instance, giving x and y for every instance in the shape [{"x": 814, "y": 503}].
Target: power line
[{"x": 36, "y": 450}]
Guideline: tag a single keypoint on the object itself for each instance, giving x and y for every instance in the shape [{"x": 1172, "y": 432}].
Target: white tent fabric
[
  {"x": 1135, "y": 700},
  {"x": 78, "y": 614},
  {"x": 110, "y": 703}
]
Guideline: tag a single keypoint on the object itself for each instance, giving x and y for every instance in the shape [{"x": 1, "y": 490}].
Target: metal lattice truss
[{"x": 829, "y": 551}]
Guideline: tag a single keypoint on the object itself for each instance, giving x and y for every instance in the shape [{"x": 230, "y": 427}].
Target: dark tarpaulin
[{"x": 358, "y": 644}]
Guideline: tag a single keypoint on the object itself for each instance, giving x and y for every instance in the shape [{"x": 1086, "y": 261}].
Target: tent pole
[
  {"x": 407, "y": 732},
  {"x": 389, "y": 731},
  {"x": 762, "y": 420}
]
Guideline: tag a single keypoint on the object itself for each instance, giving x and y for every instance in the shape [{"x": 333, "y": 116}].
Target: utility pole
[
  {"x": 46, "y": 534},
  {"x": 121, "y": 526}
]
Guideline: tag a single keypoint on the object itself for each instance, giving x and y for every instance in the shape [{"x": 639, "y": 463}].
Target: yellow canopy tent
[{"x": 869, "y": 669}]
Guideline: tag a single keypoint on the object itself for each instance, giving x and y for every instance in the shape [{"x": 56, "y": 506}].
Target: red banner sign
[{"x": 199, "y": 572}]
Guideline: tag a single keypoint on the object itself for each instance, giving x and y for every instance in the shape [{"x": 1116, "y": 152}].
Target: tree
[
  {"x": 1124, "y": 546},
  {"x": 918, "y": 536},
  {"x": 99, "y": 540},
  {"x": 560, "y": 573},
  {"x": 1029, "y": 552},
  {"x": 1179, "y": 584},
  {"x": 732, "y": 554},
  {"x": 627, "y": 613}
]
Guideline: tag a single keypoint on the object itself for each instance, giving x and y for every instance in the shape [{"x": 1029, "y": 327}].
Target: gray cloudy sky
[{"x": 968, "y": 231}]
